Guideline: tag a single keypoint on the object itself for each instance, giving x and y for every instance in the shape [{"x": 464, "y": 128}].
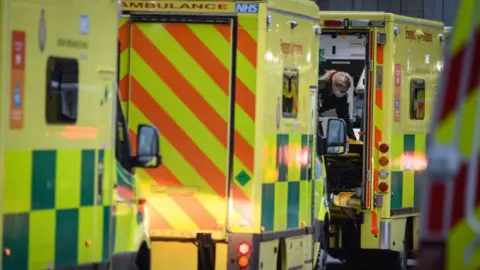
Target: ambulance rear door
[{"x": 181, "y": 71}]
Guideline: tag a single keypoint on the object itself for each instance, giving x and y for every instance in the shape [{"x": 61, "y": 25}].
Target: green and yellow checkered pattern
[
  {"x": 287, "y": 186},
  {"x": 408, "y": 152},
  {"x": 51, "y": 200}
]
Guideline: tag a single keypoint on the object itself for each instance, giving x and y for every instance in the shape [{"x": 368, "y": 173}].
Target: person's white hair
[{"x": 342, "y": 81}]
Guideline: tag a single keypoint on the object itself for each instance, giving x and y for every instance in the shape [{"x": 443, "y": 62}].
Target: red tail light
[
  {"x": 383, "y": 147},
  {"x": 383, "y": 187},
  {"x": 383, "y": 161},
  {"x": 333, "y": 23}
]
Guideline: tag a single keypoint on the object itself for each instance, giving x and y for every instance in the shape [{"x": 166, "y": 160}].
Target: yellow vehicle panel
[
  {"x": 234, "y": 164},
  {"x": 401, "y": 112},
  {"x": 58, "y": 92}
]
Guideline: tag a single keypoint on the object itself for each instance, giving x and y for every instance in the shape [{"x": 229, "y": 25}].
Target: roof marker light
[
  {"x": 359, "y": 23},
  {"x": 333, "y": 23}
]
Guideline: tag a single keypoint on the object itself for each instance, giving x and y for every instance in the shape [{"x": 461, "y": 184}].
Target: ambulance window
[
  {"x": 417, "y": 99},
  {"x": 61, "y": 103},
  {"x": 290, "y": 93}
]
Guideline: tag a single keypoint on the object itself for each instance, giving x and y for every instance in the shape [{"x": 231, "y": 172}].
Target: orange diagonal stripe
[
  {"x": 225, "y": 31},
  {"x": 156, "y": 220},
  {"x": 201, "y": 53},
  {"x": 210, "y": 63},
  {"x": 189, "y": 204},
  {"x": 162, "y": 175},
  {"x": 123, "y": 36},
  {"x": 245, "y": 98},
  {"x": 196, "y": 211},
  {"x": 243, "y": 151},
  {"x": 124, "y": 88},
  {"x": 179, "y": 85},
  {"x": 242, "y": 204},
  {"x": 247, "y": 45},
  {"x": 133, "y": 140},
  {"x": 179, "y": 139}
]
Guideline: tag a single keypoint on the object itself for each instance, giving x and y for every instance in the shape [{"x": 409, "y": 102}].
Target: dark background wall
[{"x": 441, "y": 10}]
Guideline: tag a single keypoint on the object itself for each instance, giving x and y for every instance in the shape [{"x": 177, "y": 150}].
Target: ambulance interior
[{"x": 347, "y": 51}]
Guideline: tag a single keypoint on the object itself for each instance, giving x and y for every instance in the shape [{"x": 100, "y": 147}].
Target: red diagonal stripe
[
  {"x": 452, "y": 84},
  {"x": 189, "y": 204},
  {"x": 247, "y": 46},
  {"x": 477, "y": 194},
  {"x": 179, "y": 85},
  {"x": 179, "y": 139},
  {"x": 436, "y": 207},
  {"x": 459, "y": 194},
  {"x": 475, "y": 66}
]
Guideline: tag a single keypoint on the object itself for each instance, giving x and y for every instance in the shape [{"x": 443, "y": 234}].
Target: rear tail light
[
  {"x": 383, "y": 187},
  {"x": 243, "y": 261},
  {"x": 383, "y": 161},
  {"x": 244, "y": 248},
  {"x": 333, "y": 23},
  {"x": 383, "y": 147}
]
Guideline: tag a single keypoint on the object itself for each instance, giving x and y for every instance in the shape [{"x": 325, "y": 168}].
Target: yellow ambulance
[
  {"x": 232, "y": 86},
  {"x": 374, "y": 184},
  {"x": 68, "y": 199},
  {"x": 450, "y": 227}
]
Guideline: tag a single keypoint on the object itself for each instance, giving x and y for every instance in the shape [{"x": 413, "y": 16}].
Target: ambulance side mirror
[
  {"x": 148, "y": 147},
  {"x": 336, "y": 139}
]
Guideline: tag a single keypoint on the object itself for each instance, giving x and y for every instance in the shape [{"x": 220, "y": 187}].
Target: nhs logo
[{"x": 246, "y": 8}]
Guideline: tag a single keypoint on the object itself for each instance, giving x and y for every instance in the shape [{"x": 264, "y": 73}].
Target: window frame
[
  {"x": 417, "y": 85},
  {"x": 295, "y": 98},
  {"x": 54, "y": 99}
]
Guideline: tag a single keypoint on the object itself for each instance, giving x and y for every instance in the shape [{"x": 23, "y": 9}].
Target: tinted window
[
  {"x": 62, "y": 90},
  {"x": 417, "y": 99},
  {"x": 290, "y": 89}
]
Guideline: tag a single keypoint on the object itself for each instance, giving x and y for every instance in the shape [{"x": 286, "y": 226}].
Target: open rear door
[{"x": 180, "y": 81}]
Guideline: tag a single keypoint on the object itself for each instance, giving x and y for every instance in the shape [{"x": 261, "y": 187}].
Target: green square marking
[{"x": 243, "y": 178}]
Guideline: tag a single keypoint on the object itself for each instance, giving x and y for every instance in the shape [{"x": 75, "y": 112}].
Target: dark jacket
[{"x": 341, "y": 106}]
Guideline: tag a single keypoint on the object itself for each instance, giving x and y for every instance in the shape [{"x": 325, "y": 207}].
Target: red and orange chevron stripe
[{"x": 193, "y": 74}]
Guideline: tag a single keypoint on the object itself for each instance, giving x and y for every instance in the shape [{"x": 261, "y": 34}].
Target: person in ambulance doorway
[{"x": 333, "y": 96}]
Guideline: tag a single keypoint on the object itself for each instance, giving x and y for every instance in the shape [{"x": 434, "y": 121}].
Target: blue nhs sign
[{"x": 246, "y": 8}]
